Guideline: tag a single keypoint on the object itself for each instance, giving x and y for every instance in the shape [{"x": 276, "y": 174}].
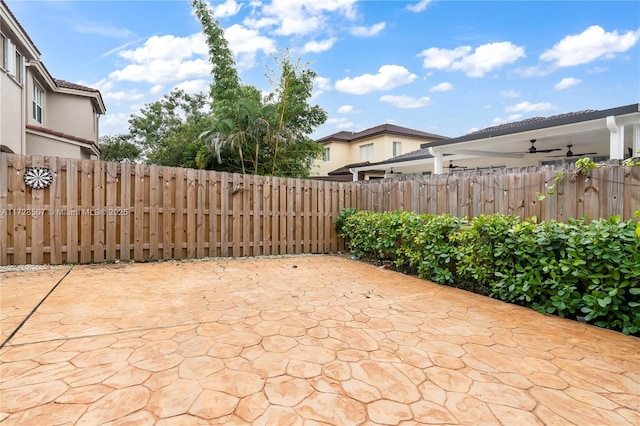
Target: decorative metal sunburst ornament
[{"x": 38, "y": 177}]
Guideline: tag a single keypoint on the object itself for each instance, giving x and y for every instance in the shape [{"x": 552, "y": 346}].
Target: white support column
[
  {"x": 636, "y": 140},
  {"x": 437, "y": 161},
  {"x": 616, "y": 139}
]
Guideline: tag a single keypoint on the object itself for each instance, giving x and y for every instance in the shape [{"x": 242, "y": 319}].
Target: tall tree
[
  {"x": 270, "y": 134},
  {"x": 118, "y": 148},
  {"x": 168, "y": 130},
  {"x": 297, "y": 119}
]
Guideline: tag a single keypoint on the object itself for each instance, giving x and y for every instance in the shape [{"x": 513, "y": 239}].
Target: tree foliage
[
  {"x": 236, "y": 128},
  {"x": 270, "y": 134},
  {"x": 168, "y": 130},
  {"x": 118, "y": 148}
]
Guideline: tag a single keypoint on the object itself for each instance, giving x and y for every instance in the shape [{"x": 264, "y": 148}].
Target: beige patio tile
[
  {"x": 391, "y": 383},
  {"x": 174, "y": 399},
  {"x": 330, "y": 342},
  {"x": 287, "y": 391},
  {"x": 388, "y": 412},
  {"x": 236, "y": 383},
  {"x": 213, "y": 404},
  {"x": 303, "y": 369},
  {"x": 28, "y": 396},
  {"x": 83, "y": 394},
  {"x": 332, "y": 409},
  {"x": 199, "y": 367},
  {"x": 115, "y": 405},
  {"x": 252, "y": 406}
]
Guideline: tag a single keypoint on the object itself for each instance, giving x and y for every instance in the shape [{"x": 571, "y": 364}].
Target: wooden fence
[
  {"x": 602, "y": 192},
  {"x": 97, "y": 211}
]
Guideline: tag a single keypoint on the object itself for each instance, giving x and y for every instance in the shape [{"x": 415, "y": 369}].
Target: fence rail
[{"x": 97, "y": 211}]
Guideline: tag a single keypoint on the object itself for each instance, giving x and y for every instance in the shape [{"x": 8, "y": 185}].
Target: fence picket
[{"x": 96, "y": 211}]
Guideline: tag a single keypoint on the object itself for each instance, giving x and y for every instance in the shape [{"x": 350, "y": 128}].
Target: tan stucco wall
[
  {"x": 338, "y": 152},
  {"x": 343, "y": 153},
  {"x": 11, "y": 122},
  {"x": 38, "y": 145},
  {"x": 71, "y": 114}
]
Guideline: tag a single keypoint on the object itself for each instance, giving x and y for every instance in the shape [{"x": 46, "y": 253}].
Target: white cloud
[
  {"x": 163, "y": 71},
  {"x": 319, "y": 46},
  {"x": 320, "y": 85},
  {"x": 344, "y": 109},
  {"x": 169, "y": 58},
  {"x": 539, "y": 70},
  {"x": 442, "y": 87},
  {"x": 194, "y": 86},
  {"x": 593, "y": 43},
  {"x": 406, "y": 102},
  {"x": 485, "y": 58},
  {"x": 245, "y": 43},
  {"x": 565, "y": 83},
  {"x": 167, "y": 47},
  {"x": 387, "y": 78},
  {"x": 99, "y": 28},
  {"x": 341, "y": 123},
  {"x": 529, "y": 107},
  {"x": 368, "y": 31},
  {"x": 300, "y": 17},
  {"x": 157, "y": 89},
  {"x": 510, "y": 118},
  {"x": 122, "y": 96},
  {"x": 112, "y": 124},
  {"x": 226, "y": 9},
  {"x": 510, "y": 93},
  {"x": 420, "y": 6}
]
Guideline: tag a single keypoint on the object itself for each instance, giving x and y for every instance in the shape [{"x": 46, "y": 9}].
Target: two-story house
[
  {"x": 39, "y": 114},
  {"x": 346, "y": 150}
]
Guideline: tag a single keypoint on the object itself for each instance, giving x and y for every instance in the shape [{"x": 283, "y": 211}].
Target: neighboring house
[
  {"x": 41, "y": 115},
  {"x": 599, "y": 134},
  {"x": 345, "y": 150}
]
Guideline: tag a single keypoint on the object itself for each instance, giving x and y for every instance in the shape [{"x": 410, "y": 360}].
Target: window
[
  {"x": 12, "y": 61},
  {"x": 327, "y": 154},
  {"x": 366, "y": 151},
  {"x": 38, "y": 102},
  {"x": 19, "y": 68},
  {"x": 3, "y": 51},
  {"x": 397, "y": 148}
]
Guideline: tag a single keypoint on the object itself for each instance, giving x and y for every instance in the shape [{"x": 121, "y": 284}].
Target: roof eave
[{"x": 562, "y": 121}]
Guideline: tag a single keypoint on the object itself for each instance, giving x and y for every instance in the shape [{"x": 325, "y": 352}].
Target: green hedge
[{"x": 567, "y": 269}]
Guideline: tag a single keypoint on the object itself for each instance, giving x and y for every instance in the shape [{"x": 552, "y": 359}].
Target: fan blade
[
  {"x": 538, "y": 151},
  {"x": 573, "y": 155},
  {"x": 533, "y": 150}
]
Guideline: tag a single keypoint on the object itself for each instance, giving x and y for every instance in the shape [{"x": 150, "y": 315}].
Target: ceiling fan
[
  {"x": 571, "y": 154},
  {"x": 452, "y": 166},
  {"x": 534, "y": 150}
]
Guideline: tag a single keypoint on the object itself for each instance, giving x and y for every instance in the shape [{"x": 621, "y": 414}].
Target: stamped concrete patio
[{"x": 297, "y": 340}]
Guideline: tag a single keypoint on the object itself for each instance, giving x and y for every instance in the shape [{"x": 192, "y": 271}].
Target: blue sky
[{"x": 446, "y": 67}]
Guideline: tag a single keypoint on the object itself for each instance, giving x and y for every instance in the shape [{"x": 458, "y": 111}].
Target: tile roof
[
  {"x": 536, "y": 123},
  {"x": 68, "y": 85},
  {"x": 528, "y": 121},
  {"x": 386, "y": 128},
  {"x": 61, "y": 135},
  {"x": 345, "y": 169}
]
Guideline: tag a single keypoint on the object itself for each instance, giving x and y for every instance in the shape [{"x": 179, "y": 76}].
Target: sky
[{"x": 441, "y": 66}]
